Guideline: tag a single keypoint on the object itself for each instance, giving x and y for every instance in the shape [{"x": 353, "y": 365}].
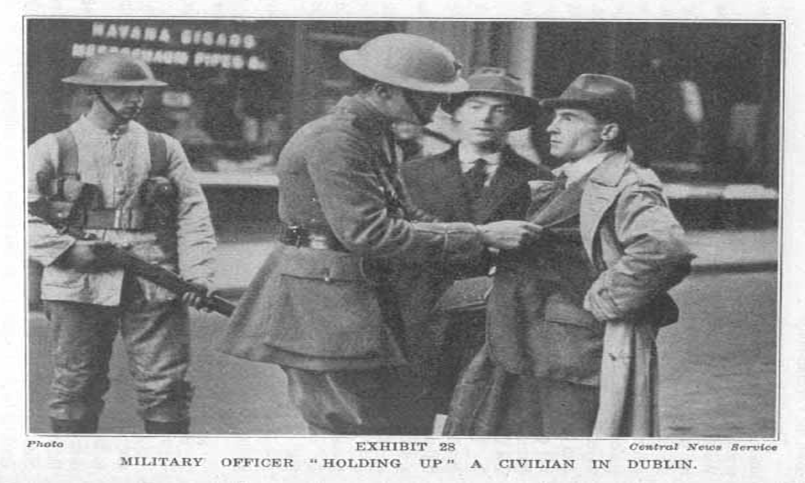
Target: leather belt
[
  {"x": 302, "y": 237},
  {"x": 115, "y": 219}
]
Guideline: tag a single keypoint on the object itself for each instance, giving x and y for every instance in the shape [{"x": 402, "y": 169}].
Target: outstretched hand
[{"x": 509, "y": 234}]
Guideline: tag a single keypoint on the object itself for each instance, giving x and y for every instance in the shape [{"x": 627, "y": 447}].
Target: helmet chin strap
[
  {"x": 120, "y": 118},
  {"x": 415, "y": 108}
]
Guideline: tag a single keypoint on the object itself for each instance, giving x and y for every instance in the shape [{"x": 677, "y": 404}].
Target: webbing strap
[
  {"x": 68, "y": 154},
  {"x": 159, "y": 154}
]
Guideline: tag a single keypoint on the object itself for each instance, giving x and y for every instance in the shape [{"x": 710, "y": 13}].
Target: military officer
[{"x": 324, "y": 306}]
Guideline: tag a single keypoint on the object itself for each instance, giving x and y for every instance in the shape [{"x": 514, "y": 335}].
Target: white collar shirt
[
  {"x": 580, "y": 168},
  {"x": 467, "y": 157}
]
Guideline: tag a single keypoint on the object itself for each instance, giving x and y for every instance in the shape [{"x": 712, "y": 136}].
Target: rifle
[{"x": 133, "y": 264}]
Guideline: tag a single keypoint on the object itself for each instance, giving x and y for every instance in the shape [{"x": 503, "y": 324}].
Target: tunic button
[{"x": 121, "y": 191}]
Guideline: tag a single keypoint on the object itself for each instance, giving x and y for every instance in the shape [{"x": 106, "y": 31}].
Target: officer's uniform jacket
[
  {"x": 325, "y": 309},
  {"x": 119, "y": 168}
]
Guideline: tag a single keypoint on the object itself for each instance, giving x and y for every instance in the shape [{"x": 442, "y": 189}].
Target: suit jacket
[
  {"x": 333, "y": 310},
  {"x": 436, "y": 185},
  {"x": 453, "y": 314}
]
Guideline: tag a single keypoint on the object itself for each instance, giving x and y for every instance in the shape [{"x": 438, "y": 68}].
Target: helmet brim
[{"x": 86, "y": 81}]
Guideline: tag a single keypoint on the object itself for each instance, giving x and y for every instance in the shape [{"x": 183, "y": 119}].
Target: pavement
[{"x": 716, "y": 251}]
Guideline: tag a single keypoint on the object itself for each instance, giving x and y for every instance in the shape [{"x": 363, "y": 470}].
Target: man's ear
[
  {"x": 610, "y": 131},
  {"x": 383, "y": 91},
  {"x": 89, "y": 92}
]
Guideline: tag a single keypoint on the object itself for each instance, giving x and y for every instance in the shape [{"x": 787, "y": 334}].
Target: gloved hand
[{"x": 83, "y": 257}]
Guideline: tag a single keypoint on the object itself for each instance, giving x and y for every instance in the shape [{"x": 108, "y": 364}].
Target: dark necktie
[
  {"x": 476, "y": 177},
  {"x": 561, "y": 181}
]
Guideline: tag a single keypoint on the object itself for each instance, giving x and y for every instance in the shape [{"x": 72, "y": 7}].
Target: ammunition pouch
[
  {"x": 59, "y": 212},
  {"x": 66, "y": 201},
  {"x": 159, "y": 197},
  {"x": 115, "y": 219}
]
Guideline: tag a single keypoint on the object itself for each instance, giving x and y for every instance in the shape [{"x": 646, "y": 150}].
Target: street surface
[{"x": 717, "y": 367}]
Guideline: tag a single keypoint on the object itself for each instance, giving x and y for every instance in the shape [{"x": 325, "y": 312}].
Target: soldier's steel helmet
[
  {"x": 114, "y": 69},
  {"x": 407, "y": 61}
]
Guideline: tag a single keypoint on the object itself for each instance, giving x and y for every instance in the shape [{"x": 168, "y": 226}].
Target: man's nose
[
  {"x": 486, "y": 114},
  {"x": 137, "y": 96},
  {"x": 552, "y": 129}
]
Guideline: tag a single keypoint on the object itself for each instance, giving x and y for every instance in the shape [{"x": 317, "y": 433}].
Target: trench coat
[
  {"x": 603, "y": 335},
  {"x": 327, "y": 310}
]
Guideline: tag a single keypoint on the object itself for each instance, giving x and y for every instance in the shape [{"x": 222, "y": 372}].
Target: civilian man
[{"x": 572, "y": 320}]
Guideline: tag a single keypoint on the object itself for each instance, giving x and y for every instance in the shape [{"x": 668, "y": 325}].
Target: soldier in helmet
[
  {"x": 326, "y": 305},
  {"x": 130, "y": 187}
]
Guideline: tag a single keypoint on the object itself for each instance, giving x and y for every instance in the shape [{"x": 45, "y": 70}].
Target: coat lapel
[
  {"x": 600, "y": 192},
  {"x": 561, "y": 207},
  {"x": 507, "y": 177},
  {"x": 450, "y": 181}
]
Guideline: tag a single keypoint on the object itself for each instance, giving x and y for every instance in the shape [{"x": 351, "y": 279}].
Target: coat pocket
[
  {"x": 567, "y": 344},
  {"x": 559, "y": 308},
  {"x": 324, "y": 306}
]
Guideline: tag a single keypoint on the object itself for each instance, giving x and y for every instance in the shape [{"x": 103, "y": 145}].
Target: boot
[
  {"x": 87, "y": 425},
  {"x": 173, "y": 427}
]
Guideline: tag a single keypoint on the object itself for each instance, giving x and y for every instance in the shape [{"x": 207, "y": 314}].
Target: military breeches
[
  {"x": 384, "y": 401},
  {"x": 157, "y": 342}
]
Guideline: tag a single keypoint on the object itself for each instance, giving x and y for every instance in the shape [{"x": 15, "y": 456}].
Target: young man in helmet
[
  {"x": 572, "y": 319},
  {"x": 480, "y": 179},
  {"x": 326, "y": 305},
  {"x": 143, "y": 196}
]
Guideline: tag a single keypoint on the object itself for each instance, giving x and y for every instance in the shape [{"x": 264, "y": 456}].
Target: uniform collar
[
  {"x": 84, "y": 124},
  {"x": 367, "y": 116}
]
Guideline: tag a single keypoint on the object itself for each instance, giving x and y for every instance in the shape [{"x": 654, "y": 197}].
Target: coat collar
[
  {"x": 600, "y": 192},
  {"x": 612, "y": 168}
]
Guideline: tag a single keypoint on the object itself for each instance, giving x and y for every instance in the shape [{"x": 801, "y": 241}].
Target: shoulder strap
[
  {"x": 159, "y": 154},
  {"x": 68, "y": 153}
]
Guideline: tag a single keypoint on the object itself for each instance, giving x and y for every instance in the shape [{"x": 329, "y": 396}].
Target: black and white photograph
[{"x": 409, "y": 241}]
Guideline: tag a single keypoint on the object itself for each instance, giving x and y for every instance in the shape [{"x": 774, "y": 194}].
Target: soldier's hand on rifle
[
  {"x": 509, "y": 234},
  {"x": 84, "y": 256},
  {"x": 196, "y": 299}
]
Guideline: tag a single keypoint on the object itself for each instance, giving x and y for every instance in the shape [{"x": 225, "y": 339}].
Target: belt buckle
[
  {"x": 318, "y": 242},
  {"x": 295, "y": 232}
]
